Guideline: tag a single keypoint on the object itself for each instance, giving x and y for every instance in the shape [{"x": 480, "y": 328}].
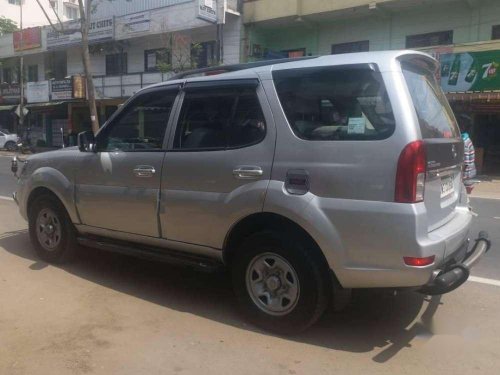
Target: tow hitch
[{"x": 454, "y": 275}]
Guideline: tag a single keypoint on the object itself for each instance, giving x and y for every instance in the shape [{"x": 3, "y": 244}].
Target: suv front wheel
[
  {"x": 280, "y": 283},
  {"x": 51, "y": 231}
]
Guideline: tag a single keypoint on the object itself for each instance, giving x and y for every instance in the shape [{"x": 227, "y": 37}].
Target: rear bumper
[{"x": 455, "y": 272}]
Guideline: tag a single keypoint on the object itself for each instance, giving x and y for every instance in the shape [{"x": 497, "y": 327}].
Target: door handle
[
  {"x": 247, "y": 172},
  {"x": 144, "y": 171}
]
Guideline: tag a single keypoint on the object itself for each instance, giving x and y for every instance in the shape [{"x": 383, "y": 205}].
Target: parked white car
[{"x": 8, "y": 141}]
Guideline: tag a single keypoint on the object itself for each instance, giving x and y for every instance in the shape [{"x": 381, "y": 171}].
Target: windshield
[{"x": 435, "y": 116}]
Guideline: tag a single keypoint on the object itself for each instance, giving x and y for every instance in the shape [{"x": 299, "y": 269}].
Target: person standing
[{"x": 469, "y": 157}]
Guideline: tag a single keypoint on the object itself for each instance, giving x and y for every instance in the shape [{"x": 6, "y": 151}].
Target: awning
[
  {"x": 7, "y": 107},
  {"x": 473, "y": 96},
  {"x": 42, "y": 105}
]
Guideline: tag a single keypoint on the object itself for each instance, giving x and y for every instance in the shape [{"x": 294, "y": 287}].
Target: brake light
[
  {"x": 419, "y": 262},
  {"x": 410, "y": 175}
]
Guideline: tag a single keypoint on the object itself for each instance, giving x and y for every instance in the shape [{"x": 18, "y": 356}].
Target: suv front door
[
  {"x": 117, "y": 186},
  {"x": 218, "y": 165}
]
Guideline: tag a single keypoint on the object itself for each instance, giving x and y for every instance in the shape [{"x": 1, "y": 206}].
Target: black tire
[
  {"x": 65, "y": 245},
  {"x": 10, "y": 146},
  {"x": 310, "y": 269}
]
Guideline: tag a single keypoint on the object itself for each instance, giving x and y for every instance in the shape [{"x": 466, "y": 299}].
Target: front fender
[{"x": 53, "y": 180}]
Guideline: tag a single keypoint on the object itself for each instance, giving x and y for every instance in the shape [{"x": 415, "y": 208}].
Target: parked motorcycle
[{"x": 25, "y": 145}]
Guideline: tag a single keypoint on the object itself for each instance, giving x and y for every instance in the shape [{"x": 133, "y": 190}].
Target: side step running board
[{"x": 152, "y": 253}]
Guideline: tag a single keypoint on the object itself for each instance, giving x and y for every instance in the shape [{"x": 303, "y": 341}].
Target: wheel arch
[
  {"x": 265, "y": 221},
  {"x": 51, "y": 181}
]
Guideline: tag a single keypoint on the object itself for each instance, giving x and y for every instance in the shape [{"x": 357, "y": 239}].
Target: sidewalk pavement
[{"x": 487, "y": 188}]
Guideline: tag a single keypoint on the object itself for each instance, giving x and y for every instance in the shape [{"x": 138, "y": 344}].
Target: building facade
[
  {"x": 132, "y": 45},
  {"x": 33, "y": 16},
  {"x": 463, "y": 34}
]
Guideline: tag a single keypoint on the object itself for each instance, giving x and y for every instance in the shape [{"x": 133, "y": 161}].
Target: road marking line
[
  {"x": 492, "y": 198},
  {"x": 483, "y": 280},
  {"x": 6, "y": 198}
]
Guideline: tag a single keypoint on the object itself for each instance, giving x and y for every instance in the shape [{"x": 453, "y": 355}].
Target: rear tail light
[
  {"x": 419, "y": 262},
  {"x": 410, "y": 175}
]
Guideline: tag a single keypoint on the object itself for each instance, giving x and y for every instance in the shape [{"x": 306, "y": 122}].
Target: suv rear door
[
  {"x": 219, "y": 161},
  {"x": 443, "y": 143}
]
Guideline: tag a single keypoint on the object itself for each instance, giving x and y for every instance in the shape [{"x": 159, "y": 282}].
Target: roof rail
[{"x": 233, "y": 68}]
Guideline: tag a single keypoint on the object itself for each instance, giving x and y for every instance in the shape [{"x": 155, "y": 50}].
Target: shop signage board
[
  {"x": 9, "y": 93},
  {"x": 29, "y": 39},
  {"x": 99, "y": 31},
  {"x": 133, "y": 24},
  {"x": 10, "y": 89},
  {"x": 207, "y": 10},
  {"x": 470, "y": 71},
  {"x": 62, "y": 89},
  {"x": 37, "y": 92}
]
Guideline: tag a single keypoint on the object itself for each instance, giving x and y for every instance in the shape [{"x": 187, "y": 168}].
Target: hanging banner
[
  {"x": 79, "y": 87},
  {"x": 470, "y": 71},
  {"x": 28, "y": 39},
  {"x": 207, "y": 10},
  {"x": 99, "y": 31}
]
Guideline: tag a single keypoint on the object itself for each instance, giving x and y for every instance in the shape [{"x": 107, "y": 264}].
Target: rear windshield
[
  {"x": 434, "y": 114},
  {"x": 332, "y": 103}
]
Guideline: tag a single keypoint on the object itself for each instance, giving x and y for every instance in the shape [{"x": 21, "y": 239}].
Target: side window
[
  {"x": 219, "y": 119},
  {"x": 141, "y": 126},
  {"x": 335, "y": 104}
]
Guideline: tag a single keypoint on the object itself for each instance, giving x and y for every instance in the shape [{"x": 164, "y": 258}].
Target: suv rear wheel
[
  {"x": 279, "y": 282},
  {"x": 51, "y": 231}
]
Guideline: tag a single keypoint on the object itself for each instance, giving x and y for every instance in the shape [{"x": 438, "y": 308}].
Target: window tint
[
  {"x": 116, "y": 64},
  {"x": 141, "y": 126},
  {"x": 495, "y": 32},
  {"x": 435, "y": 116},
  {"x": 361, "y": 46},
  {"x": 218, "y": 119},
  {"x": 430, "y": 39},
  {"x": 335, "y": 103}
]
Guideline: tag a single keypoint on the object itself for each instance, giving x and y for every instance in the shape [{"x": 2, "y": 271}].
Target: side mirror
[{"x": 86, "y": 141}]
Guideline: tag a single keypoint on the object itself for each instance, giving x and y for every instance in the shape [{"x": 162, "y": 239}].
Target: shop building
[
  {"x": 463, "y": 34},
  {"x": 132, "y": 45}
]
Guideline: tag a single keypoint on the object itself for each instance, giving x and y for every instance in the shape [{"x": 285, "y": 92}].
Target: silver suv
[{"x": 304, "y": 178}]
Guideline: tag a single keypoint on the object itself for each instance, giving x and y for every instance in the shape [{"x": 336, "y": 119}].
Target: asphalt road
[{"x": 111, "y": 314}]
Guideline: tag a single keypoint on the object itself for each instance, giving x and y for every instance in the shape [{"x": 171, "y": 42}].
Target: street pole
[{"x": 21, "y": 73}]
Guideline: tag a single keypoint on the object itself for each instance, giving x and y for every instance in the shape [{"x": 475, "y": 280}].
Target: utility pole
[
  {"x": 21, "y": 73},
  {"x": 85, "y": 21}
]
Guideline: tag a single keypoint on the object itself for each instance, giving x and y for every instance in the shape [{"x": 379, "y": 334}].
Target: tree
[
  {"x": 7, "y": 26},
  {"x": 85, "y": 11}
]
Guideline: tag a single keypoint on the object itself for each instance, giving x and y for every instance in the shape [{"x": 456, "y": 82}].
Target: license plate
[{"x": 446, "y": 186}]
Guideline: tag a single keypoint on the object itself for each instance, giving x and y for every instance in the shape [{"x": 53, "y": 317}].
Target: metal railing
[{"x": 124, "y": 86}]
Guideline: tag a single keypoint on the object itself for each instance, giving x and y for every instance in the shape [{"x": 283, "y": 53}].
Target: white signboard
[
  {"x": 99, "y": 30},
  {"x": 133, "y": 24},
  {"x": 207, "y": 10},
  {"x": 37, "y": 92}
]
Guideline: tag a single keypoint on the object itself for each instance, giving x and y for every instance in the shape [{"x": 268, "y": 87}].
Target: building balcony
[
  {"x": 321, "y": 10},
  {"x": 124, "y": 86}
]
